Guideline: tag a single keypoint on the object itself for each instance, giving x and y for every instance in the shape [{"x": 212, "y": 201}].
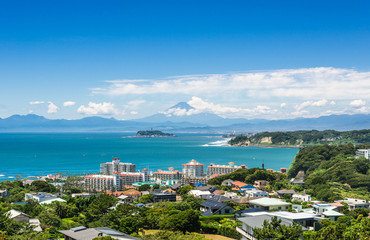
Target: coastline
[{"x": 265, "y": 146}]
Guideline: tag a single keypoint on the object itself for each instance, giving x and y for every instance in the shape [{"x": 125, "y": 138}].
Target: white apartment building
[
  {"x": 116, "y": 181},
  {"x": 193, "y": 169},
  {"x": 223, "y": 169},
  {"x": 171, "y": 174},
  {"x": 109, "y": 168},
  {"x": 363, "y": 153}
]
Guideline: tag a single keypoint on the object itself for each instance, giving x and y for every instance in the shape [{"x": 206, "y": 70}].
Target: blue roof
[{"x": 248, "y": 186}]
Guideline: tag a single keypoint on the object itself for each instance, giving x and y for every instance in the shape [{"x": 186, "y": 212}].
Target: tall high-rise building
[
  {"x": 193, "y": 169},
  {"x": 109, "y": 168},
  {"x": 223, "y": 169}
]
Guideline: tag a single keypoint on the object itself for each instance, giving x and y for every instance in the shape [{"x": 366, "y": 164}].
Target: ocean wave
[
  {"x": 10, "y": 177},
  {"x": 219, "y": 143}
]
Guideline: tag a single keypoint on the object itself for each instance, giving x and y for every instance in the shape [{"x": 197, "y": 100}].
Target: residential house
[
  {"x": 18, "y": 216},
  {"x": 84, "y": 195},
  {"x": 4, "y": 193},
  {"x": 269, "y": 204},
  {"x": 237, "y": 185},
  {"x": 230, "y": 195},
  {"x": 301, "y": 197},
  {"x": 285, "y": 192},
  {"x": 22, "y": 217},
  {"x": 83, "y": 233},
  {"x": 210, "y": 207},
  {"x": 254, "y": 193},
  {"x": 255, "y": 219},
  {"x": 260, "y": 184},
  {"x": 227, "y": 182},
  {"x": 43, "y": 198},
  {"x": 354, "y": 203},
  {"x": 339, "y": 206},
  {"x": 219, "y": 192},
  {"x": 132, "y": 193},
  {"x": 200, "y": 194},
  {"x": 298, "y": 182},
  {"x": 161, "y": 196}
]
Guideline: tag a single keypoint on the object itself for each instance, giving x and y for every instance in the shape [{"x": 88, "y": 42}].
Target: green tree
[
  {"x": 129, "y": 225},
  {"x": 275, "y": 230},
  {"x": 185, "y": 189},
  {"x": 49, "y": 218},
  {"x": 144, "y": 187},
  {"x": 186, "y": 221}
]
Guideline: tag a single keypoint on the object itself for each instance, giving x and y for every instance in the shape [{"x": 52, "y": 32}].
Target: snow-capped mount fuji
[{"x": 183, "y": 112}]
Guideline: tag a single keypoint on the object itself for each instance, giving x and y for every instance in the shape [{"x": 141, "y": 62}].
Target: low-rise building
[
  {"x": 83, "y": 233},
  {"x": 260, "y": 184},
  {"x": 132, "y": 194},
  {"x": 18, "y": 216},
  {"x": 200, "y": 194},
  {"x": 255, "y": 219},
  {"x": 4, "y": 193},
  {"x": 269, "y": 204},
  {"x": 43, "y": 198},
  {"x": 254, "y": 193},
  {"x": 363, "y": 153},
  {"x": 285, "y": 192},
  {"x": 237, "y": 185},
  {"x": 227, "y": 182},
  {"x": 84, "y": 195},
  {"x": 354, "y": 203},
  {"x": 223, "y": 169},
  {"x": 161, "y": 196},
  {"x": 301, "y": 197},
  {"x": 210, "y": 207}
]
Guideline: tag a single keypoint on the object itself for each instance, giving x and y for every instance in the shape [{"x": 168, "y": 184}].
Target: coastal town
[{"x": 242, "y": 207}]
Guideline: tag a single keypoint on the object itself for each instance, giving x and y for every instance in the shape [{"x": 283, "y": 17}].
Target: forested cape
[
  {"x": 327, "y": 165},
  {"x": 303, "y": 138}
]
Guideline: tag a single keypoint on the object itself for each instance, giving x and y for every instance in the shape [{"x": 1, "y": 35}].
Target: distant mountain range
[{"x": 186, "y": 123}]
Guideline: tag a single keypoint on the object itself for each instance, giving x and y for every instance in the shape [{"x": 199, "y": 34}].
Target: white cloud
[
  {"x": 201, "y": 106},
  {"x": 52, "y": 108},
  {"x": 283, "y": 105},
  {"x": 319, "y": 103},
  {"x": 134, "y": 104},
  {"x": 133, "y": 112},
  {"x": 69, "y": 104},
  {"x": 37, "y": 102},
  {"x": 104, "y": 108},
  {"x": 357, "y": 103},
  {"x": 304, "y": 83},
  {"x": 333, "y": 103}
]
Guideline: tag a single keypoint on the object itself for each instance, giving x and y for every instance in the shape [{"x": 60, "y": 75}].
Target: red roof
[{"x": 239, "y": 184}]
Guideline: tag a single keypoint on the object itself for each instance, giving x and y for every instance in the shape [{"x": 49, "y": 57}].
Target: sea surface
[{"x": 41, "y": 154}]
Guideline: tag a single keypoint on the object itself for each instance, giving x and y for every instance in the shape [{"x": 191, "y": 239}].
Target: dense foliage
[
  {"x": 153, "y": 133},
  {"x": 300, "y": 138},
  {"x": 327, "y": 168}
]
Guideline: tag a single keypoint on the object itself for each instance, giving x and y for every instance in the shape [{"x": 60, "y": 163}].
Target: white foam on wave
[
  {"x": 219, "y": 143},
  {"x": 10, "y": 177},
  {"x": 2, "y": 175}
]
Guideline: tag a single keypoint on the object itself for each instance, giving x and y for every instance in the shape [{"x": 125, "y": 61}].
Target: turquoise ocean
[{"x": 40, "y": 154}]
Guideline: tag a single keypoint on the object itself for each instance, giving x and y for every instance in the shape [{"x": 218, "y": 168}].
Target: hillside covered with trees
[{"x": 302, "y": 138}]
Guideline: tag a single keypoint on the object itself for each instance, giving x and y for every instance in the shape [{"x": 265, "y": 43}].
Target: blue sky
[{"x": 129, "y": 59}]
